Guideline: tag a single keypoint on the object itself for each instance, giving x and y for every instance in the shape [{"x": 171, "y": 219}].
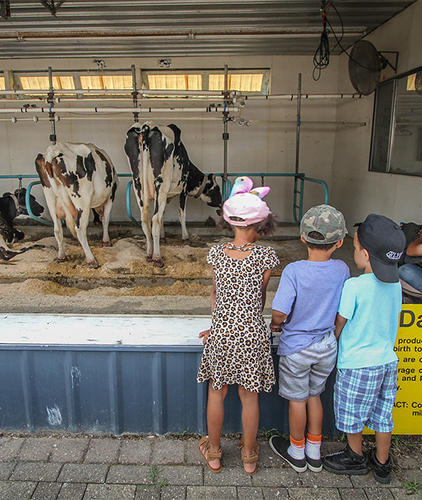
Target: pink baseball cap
[{"x": 244, "y": 209}]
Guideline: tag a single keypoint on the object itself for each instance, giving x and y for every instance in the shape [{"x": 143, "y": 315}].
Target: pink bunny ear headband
[{"x": 245, "y": 205}]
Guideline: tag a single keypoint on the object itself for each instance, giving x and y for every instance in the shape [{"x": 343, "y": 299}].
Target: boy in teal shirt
[{"x": 366, "y": 326}]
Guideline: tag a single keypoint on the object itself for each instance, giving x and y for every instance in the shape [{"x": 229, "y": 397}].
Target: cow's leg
[
  {"x": 182, "y": 217},
  {"x": 162, "y": 233},
  {"x": 146, "y": 227},
  {"x": 81, "y": 224},
  {"x": 157, "y": 221},
  {"x": 105, "y": 219},
  {"x": 51, "y": 200},
  {"x": 58, "y": 233}
]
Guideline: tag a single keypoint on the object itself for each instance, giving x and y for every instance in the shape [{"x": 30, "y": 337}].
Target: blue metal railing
[{"x": 298, "y": 192}]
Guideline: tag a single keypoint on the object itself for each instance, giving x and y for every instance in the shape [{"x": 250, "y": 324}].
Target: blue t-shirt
[
  {"x": 372, "y": 310},
  {"x": 309, "y": 293}
]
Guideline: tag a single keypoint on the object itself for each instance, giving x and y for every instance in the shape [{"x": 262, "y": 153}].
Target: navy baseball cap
[{"x": 385, "y": 241}]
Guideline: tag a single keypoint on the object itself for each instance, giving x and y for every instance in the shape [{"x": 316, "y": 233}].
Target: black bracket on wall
[
  {"x": 52, "y": 6},
  {"x": 5, "y": 9}
]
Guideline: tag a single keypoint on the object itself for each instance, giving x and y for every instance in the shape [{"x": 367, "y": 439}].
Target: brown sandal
[
  {"x": 251, "y": 459},
  {"x": 204, "y": 447}
]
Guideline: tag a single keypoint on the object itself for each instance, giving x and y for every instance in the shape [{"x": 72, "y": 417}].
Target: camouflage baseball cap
[{"x": 325, "y": 220}]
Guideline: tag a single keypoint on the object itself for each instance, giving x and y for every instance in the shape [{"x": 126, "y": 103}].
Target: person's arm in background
[{"x": 415, "y": 248}]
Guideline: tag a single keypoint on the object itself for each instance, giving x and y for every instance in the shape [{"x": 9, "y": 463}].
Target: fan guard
[
  {"x": 364, "y": 67},
  {"x": 418, "y": 82}
]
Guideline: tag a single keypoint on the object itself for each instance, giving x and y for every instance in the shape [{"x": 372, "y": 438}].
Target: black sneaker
[
  {"x": 280, "y": 445},
  {"x": 313, "y": 464},
  {"x": 345, "y": 462},
  {"x": 381, "y": 472}
]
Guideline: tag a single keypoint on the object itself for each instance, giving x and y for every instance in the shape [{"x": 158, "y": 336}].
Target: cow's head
[
  {"x": 36, "y": 208},
  {"x": 211, "y": 194}
]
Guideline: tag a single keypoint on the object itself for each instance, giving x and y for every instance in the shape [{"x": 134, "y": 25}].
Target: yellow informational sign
[{"x": 407, "y": 412}]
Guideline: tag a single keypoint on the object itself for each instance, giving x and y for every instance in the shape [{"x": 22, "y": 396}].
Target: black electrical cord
[{"x": 322, "y": 55}]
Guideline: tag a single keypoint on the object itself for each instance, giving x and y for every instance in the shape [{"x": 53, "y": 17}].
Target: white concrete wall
[
  {"x": 355, "y": 190},
  {"x": 267, "y": 145}
]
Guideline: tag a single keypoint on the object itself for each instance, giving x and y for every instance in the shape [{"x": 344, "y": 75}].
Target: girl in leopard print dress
[{"x": 237, "y": 346}]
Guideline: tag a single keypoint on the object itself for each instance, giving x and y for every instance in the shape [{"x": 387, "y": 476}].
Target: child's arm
[
  {"x": 339, "y": 324},
  {"x": 277, "y": 318},
  {"x": 266, "y": 279},
  {"x": 204, "y": 335}
]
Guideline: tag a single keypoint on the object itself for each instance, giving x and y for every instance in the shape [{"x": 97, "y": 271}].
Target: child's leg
[
  {"x": 297, "y": 419},
  {"x": 315, "y": 415},
  {"x": 297, "y": 426},
  {"x": 355, "y": 442},
  {"x": 383, "y": 440},
  {"x": 250, "y": 422},
  {"x": 380, "y": 458},
  {"x": 293, "y": 450},
  {"x": 215, "y": 418}
]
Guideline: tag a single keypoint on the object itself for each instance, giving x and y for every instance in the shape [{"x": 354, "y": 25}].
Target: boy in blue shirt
[
  {"x": 305, "y": 308},
  {"x": 366, "y": 325}
]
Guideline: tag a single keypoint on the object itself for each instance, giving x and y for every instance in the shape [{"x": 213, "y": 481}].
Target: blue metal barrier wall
[
  {"x": 121, "y": 390},
  {"x": 115, "y": 373}
]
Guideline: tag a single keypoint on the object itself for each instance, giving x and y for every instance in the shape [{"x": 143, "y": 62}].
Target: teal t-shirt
[{"x": 372, "y": 310}]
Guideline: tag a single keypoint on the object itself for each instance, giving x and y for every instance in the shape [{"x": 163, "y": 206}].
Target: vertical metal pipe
[
  {"x": 134, "y": 94},
  {"x": 53, "y": 137},
  {"x": 299, "y": 99},
  {"x": 225, "y": 130}
]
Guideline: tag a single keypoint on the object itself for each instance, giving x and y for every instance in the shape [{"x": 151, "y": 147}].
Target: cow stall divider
[{"x": 298, "y": 191}]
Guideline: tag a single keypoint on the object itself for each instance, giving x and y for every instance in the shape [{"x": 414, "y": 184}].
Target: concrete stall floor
[
  {"x": 125, "y": 283},
  {"x": 55, "y": 466}
]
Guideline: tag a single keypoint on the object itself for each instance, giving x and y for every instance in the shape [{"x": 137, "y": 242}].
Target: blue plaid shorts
[{"x": 365, "y": 396}]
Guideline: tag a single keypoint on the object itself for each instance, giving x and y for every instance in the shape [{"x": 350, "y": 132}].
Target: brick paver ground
[{"x": 80, "y": 467}]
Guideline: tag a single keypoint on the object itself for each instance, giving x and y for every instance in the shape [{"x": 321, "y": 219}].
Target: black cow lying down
[{"x": 12, "y": 205}]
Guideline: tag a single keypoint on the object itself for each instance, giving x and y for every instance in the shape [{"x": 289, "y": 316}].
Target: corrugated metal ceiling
[{"x": 177, "y": 28}]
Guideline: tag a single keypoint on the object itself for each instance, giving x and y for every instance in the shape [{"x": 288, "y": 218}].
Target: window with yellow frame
[{"x": 245, "y": 81}]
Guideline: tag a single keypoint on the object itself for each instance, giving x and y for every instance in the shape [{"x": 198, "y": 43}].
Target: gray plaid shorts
[{"x": 304, "y": 373}]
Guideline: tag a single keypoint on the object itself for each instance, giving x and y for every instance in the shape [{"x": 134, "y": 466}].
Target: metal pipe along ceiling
[{"x": 112, "y": 110}]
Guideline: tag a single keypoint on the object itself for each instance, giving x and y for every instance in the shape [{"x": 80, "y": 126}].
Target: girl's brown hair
[{"x": 266, "y": 227}]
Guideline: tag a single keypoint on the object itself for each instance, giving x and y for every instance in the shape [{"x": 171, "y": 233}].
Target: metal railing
[{"x": 298, "y": 191}]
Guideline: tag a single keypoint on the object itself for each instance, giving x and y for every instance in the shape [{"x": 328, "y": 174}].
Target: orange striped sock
[
  {"x": 313, "y": 446},
  {"x": 296, "y": 448}
]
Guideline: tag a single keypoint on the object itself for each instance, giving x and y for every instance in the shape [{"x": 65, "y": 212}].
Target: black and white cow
[
  {"x": 12, "y": 205},
  {"x": 76, "y": 178},
  {"x": 161, "y": 169}
]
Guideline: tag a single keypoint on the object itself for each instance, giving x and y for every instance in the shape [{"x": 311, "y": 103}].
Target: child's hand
[
  {"x": 275, "y": 328},
  {"x": 204, "y": 336}
]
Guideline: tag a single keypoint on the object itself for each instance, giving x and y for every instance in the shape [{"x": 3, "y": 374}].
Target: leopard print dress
[{"x": 238, "y": 348}]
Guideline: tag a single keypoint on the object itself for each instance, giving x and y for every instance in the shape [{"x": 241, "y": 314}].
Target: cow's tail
[
  {"x": 70, "y": 223},
  {"x": 144, "y": 136},
  {"x": 6, "y": 254}
]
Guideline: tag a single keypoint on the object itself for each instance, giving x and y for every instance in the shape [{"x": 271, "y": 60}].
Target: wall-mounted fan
[
  {"x": 365, "y": 65},
  {"x": 418, "y": 82}
]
